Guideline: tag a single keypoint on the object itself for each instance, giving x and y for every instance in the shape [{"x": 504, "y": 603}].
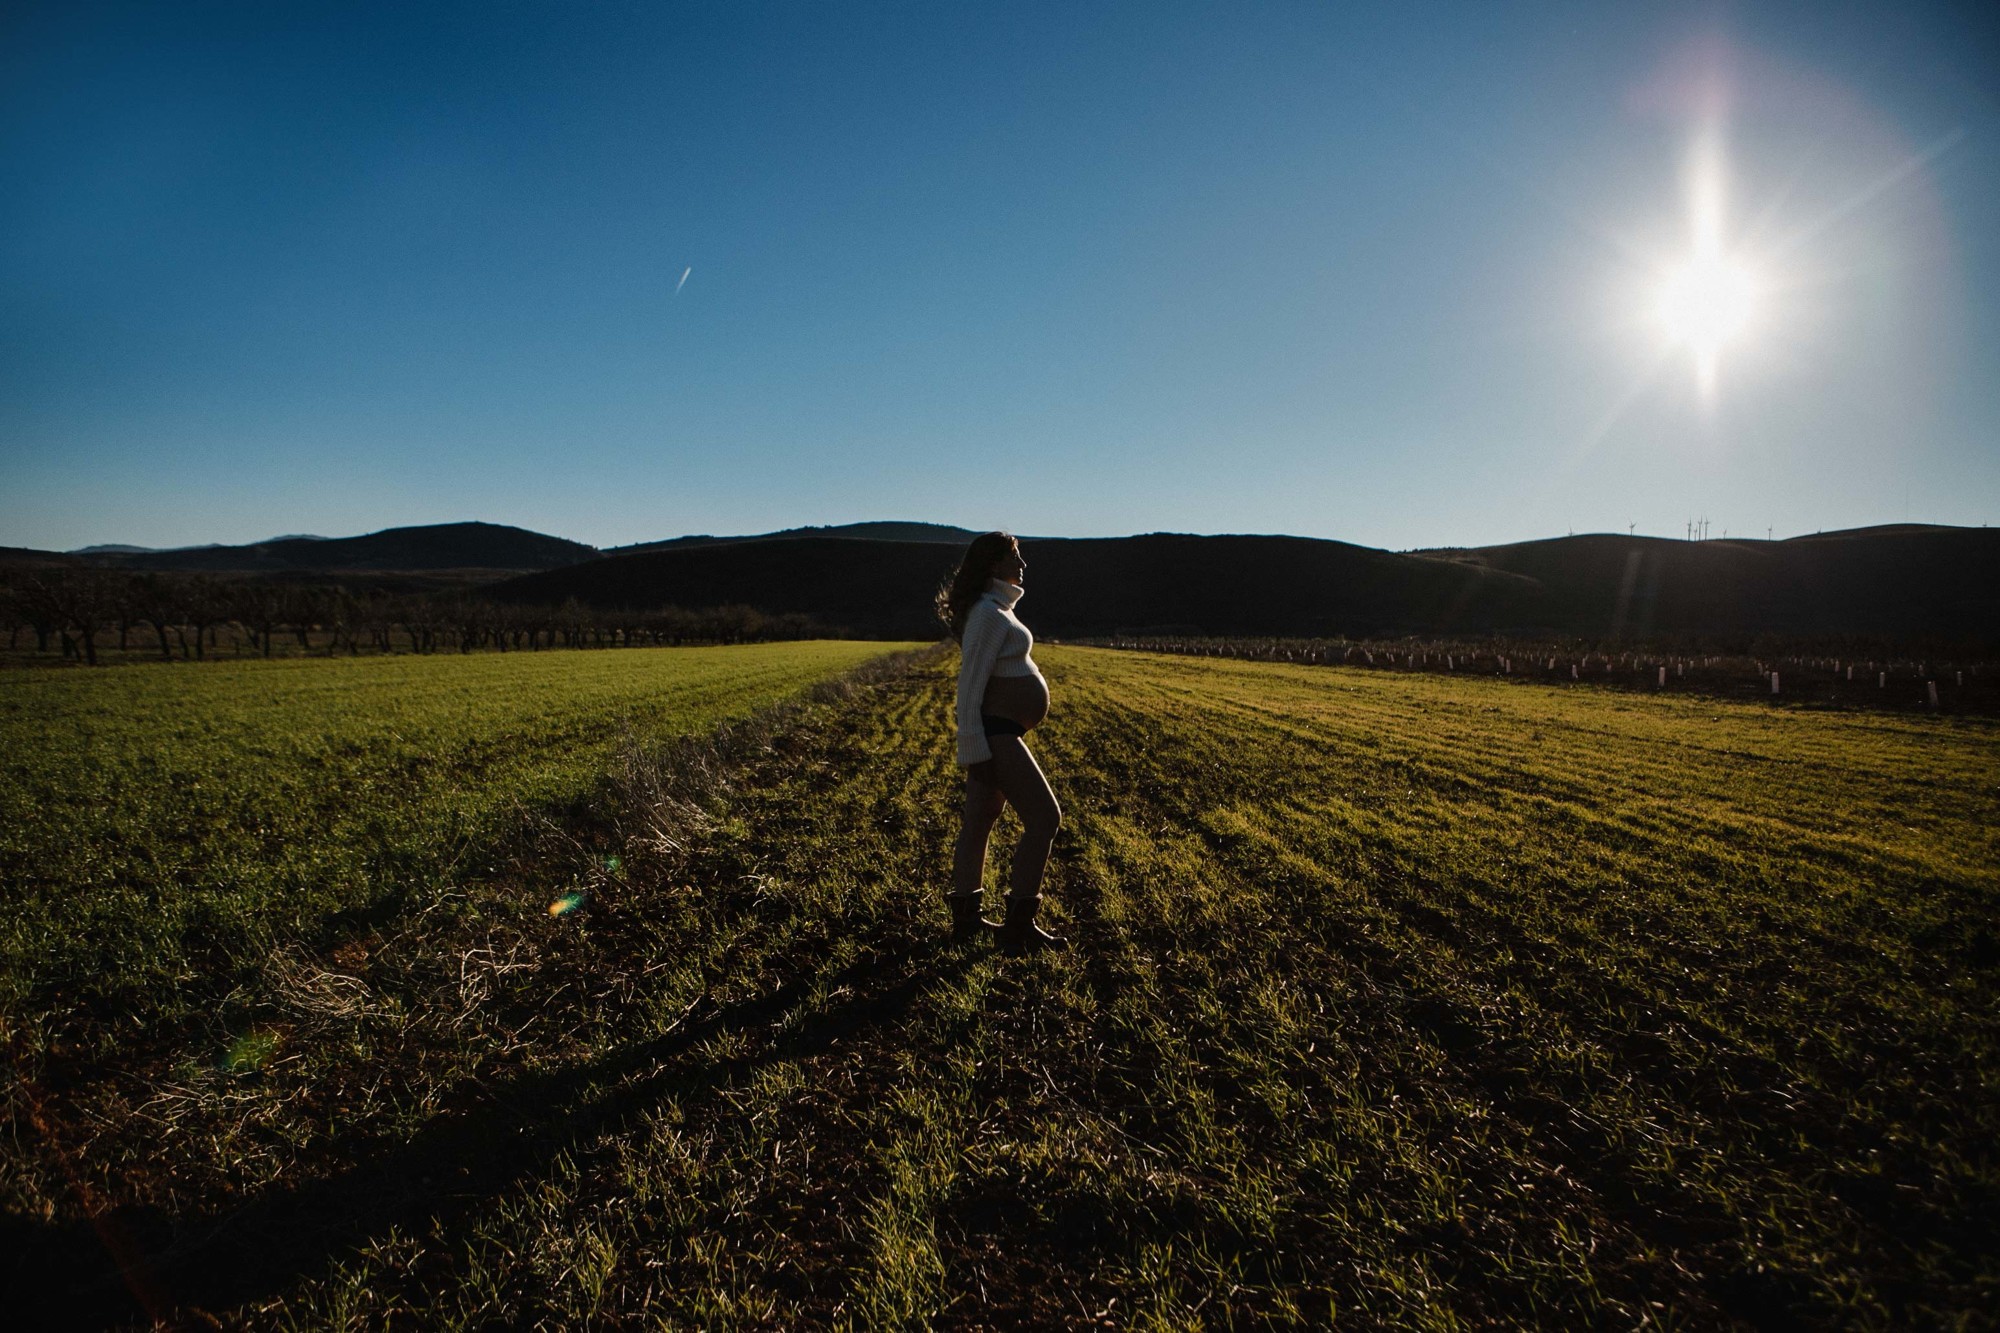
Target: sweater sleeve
[{"x": 977, "y": 652}]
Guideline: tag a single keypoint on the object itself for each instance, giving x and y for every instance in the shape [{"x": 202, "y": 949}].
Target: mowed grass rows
[{"x": 1403, "y": 1001}]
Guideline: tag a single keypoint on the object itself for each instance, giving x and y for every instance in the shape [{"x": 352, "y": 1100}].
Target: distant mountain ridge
[
  {"x": 491, "y": 546},
  {"x": 1895, "y": 580},
  {"x": 469, "y": 545},
  {"x": 938, "y": 533},
  {"x": 1898, "y": 581},
  {"x": 1162, "y": 582}
]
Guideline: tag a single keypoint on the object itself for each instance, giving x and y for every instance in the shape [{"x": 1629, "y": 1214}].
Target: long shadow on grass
[{"x": 222, "y": 1258}]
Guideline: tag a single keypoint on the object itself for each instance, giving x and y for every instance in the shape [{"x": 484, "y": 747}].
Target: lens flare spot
[
  {"x": 250, "y": 1052},
  {"x": 566, "y": 904}
]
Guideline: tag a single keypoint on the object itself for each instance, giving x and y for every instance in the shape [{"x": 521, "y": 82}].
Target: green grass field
[
  {"x": 174, "y": 824},
  {"x": 1408, "y": 1001}
]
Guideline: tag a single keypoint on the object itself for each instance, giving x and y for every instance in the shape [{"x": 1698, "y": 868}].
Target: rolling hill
[
  {"x": 437, "y": 546},
  {"x": 1162, "y": 582},
  {"x": 1903, "y": 582},
  {"x": 935, "y": 533},
  {"x": 1900, "y": 583}
]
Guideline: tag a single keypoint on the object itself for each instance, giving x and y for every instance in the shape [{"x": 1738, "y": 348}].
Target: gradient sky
[{"x": 1374, "y": 272}]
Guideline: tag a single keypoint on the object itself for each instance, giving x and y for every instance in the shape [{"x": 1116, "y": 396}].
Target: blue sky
[{"x": 1380, "y": 273}]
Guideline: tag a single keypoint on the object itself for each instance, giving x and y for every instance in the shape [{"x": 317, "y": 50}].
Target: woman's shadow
[{"x": 118, "y": 1267}]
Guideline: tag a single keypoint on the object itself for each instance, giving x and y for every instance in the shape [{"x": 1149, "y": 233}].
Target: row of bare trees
[{"x": 78, "y": 612}]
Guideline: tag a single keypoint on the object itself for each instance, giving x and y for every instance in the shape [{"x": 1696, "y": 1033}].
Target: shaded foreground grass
[{"x": 1418, "y": 1002}]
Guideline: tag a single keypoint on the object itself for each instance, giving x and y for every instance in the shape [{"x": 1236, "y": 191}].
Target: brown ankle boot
[
  {"x": 966, "y": 923},
  {"x": 1019, "y": 934}
]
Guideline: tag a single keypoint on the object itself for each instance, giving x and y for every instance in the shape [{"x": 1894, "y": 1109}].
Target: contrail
[{"x": 684, "y": 279}]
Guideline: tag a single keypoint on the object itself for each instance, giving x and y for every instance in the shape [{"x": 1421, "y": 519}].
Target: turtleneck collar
[{"x": 1004, "y": 592}]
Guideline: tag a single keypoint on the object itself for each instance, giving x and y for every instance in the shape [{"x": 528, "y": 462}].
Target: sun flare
[
  {"x": 1709, "y": 299},
  {"x": 1708, "y": 302}
]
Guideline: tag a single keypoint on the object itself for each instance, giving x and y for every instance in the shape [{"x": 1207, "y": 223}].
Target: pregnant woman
[{"x": 1001, "y": 698}]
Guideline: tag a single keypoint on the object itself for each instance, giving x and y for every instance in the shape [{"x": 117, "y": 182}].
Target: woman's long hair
[{"x": 975, "y": 570}]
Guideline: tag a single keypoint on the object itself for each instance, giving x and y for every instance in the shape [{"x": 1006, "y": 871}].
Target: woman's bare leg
[
  {"x": 982, "y": 808},
  {"x": 1019, "y": 779}
]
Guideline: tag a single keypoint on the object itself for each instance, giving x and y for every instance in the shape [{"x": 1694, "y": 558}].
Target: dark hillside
[
  {"x": 1214, "y": 585},
  {"x": 1891, "y": 582},
  {"x": 1894, "y": 583},
  {"x": 1260, "y": 585},
  {"x": 864, "y": 587},
  {"x": 1909, "y": 584},
  {"x": 28, "y": 555},
  {"x": 492, "y": 546}
]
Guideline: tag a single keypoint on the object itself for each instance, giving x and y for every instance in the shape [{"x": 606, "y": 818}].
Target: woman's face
[{"x": 1011, "y": 567}]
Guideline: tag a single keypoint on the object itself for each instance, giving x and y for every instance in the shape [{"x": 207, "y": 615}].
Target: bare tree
[
  {"x": 81, "y": 600},
  {"x": 341, "y": 611},
  {"x": 203, "y": 604},
  {"x": 303, "y": 608},
  {"x": 39, "y": 606},
  {"x": 157, "y": 599},
  {"x": 11, "y": 617},
  {"x": 260, "y": 608}
]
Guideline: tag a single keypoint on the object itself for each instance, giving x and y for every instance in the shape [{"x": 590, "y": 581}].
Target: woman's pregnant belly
[{"x": 1025, "y": 699}]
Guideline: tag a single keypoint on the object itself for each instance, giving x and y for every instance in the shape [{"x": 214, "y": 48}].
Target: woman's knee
[
  {"x": 1043, "y": 821},
  {"x": 979, "y": 817}
]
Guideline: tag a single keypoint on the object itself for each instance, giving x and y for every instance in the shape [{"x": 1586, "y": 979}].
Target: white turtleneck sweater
[{"x": 995, "y": 643}]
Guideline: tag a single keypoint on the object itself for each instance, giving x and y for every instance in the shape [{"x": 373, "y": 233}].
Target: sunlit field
[
  {"x": 163, "y": 829},
  {"x": 1409, "y": 1000}
]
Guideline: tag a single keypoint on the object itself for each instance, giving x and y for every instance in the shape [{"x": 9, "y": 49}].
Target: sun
[
  {"x": 1708, "y": 302},
  {"x": 1705, "y": 304},
  {"x": 1709, "y": 299}
]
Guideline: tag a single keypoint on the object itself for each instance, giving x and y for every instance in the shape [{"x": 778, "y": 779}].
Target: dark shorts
[{"x": 1001, "y": 726}]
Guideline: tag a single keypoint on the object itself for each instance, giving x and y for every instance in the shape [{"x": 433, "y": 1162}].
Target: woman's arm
[{"x": 978, "y": 650}]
